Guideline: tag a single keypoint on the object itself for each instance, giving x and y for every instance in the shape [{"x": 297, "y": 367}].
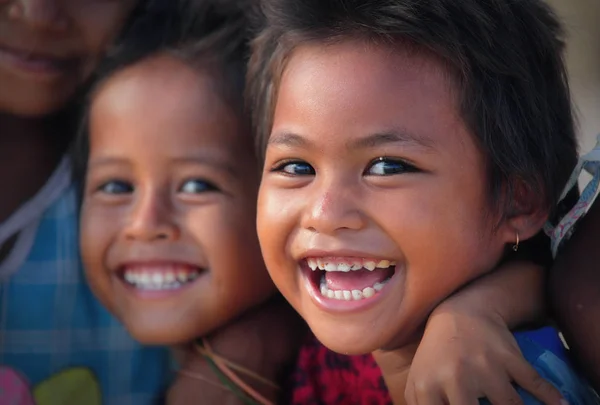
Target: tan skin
[
  {"x": 68, "y": 38},
  {"x": 171, "y": 179},
  {"x": 71, "y": 35},
  {"x": 468, "y": 352},
  {"x": 325, "y": 187}
]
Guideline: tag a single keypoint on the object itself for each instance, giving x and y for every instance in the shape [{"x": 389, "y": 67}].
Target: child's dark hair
[
  {"x": 507, "y": 56},
  {"x": 203, "y": 33}
]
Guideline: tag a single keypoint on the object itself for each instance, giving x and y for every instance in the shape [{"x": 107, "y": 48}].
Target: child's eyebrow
[
  {"x": 391, "y": 136},
  {"x": 382, "y": 138},
  {"x": 106, "y": 161},
  {"x": 210, "y": 160}
]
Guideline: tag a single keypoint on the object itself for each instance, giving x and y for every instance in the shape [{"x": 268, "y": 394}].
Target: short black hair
[
  {"x": 507, "y": 55},
  {"x": 202, "y": 33}
]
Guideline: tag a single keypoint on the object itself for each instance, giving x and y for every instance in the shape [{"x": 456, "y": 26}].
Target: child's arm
[
  {"x": 264, "y": 341},
  {"x": 575, "y": 294},
  {"x": 468, "y": 351}
]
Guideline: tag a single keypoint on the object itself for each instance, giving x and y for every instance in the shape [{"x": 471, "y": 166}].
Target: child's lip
[
  {"x": 345, "y": 306},
  {"x": 35, "y": 62},
  {"x": 158, "y": 279},
  {"x": 343, "y": 254}
]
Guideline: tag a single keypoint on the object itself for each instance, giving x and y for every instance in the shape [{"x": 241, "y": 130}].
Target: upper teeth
[
  {"x": 348, "y": 265},
  {"x": 169, "y": 280}
]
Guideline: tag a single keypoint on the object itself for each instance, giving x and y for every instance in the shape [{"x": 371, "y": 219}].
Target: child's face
[
  {"x": 49, "y": 48},
  {"x": 370, "y": 165},
  {"x": 168, "y": 233}
]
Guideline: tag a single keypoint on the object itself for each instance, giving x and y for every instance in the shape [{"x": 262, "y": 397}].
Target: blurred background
[{"x": 583, "y": 58}]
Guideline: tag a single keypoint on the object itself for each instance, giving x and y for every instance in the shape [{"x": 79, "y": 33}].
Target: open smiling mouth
[
  {"x": 160, "y": 278},
  {"x": 349, "y": 279}
]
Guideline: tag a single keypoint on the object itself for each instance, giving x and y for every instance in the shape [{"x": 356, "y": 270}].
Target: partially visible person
[
  {"x": 54, "y": 335},
  {"x": 168, "y": 236},
  {"x": 574, "y": 288},
  {"x": 409, "y": 150}
]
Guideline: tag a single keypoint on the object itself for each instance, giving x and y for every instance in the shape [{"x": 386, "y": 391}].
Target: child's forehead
[
  {"x": 164, "y": 76},
  {"x": 400, "y": 60},
  {"x": 165, "y": 100},
  {"x": 381, "y": 83}
]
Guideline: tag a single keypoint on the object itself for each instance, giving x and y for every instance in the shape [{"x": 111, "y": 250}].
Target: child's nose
[
  {"x": 151, "y": 219},
  {"x": 333, "y": 208},
  {"x": 40, "y": 14}
]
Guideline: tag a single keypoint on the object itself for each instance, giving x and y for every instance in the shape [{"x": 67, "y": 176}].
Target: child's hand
[{"x": 466, "y": 355}]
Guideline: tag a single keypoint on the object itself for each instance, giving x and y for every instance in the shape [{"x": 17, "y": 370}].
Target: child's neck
[
  {"x": 30, "y": 149},
  {"x": 395, "y": 366}
]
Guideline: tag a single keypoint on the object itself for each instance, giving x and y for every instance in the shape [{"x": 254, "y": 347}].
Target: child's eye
[
  {"x": 386, "y": 167},
  {"x": 116, "y": 187},
  {"x": 197, "y": 186},
  {"x": 296, "y": 168}
]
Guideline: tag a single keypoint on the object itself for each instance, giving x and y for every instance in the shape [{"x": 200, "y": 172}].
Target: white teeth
[
  {"x": 156, "y": 281},
  {"x": 347, "y": 295},
  {"x": 368, "y": 292},
  {"x": 157, "y": 278},
  {"x": 332, "y": 265},
  {"x": 343, "y": 267}
]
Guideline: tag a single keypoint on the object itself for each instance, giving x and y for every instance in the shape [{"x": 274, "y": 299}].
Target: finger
[
  {"x": 410, "y": 396},
  {"x": 458, "y": 394},
  {"x": 429, "y": 396},
  {"x": 526, "y": 377},
  {"x": 502, "y": 393}
]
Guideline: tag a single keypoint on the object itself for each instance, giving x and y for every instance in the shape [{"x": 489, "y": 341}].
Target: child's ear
[{"x": 527, "y": 213}]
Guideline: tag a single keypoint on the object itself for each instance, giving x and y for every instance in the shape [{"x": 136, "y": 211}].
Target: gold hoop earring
[{"x": 516, "y": 245}]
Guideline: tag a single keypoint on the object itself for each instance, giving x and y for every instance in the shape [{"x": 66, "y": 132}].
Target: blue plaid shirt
[{"x": 50, "y": 320}]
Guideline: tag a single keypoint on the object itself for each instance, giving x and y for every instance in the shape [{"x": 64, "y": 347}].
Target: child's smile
[
  {"x": 159, "y": 276},
  {"x": 349, "y": 279},
  {"x": 168, "y": 220},
  {"x": 373, "y": 205}
]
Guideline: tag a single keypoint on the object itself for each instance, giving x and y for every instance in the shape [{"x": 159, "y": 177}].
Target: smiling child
[{"x": 409, "y": 149}]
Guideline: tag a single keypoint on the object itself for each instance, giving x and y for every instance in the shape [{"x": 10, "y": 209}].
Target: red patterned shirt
[{"x": 323, "y": 377}]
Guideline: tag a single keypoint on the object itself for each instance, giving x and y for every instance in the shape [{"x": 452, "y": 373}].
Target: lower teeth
[
  {"x": 351, "y": 295},
  {"x": 156, "y": 287}
]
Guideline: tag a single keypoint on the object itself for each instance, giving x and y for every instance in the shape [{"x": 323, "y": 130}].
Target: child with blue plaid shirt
[{"x": 54, "y": 335}]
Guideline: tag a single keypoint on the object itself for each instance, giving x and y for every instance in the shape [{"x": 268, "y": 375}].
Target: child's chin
[
  {"x": 159, "y": 334},
  {"x": 356, "y": 339}
]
